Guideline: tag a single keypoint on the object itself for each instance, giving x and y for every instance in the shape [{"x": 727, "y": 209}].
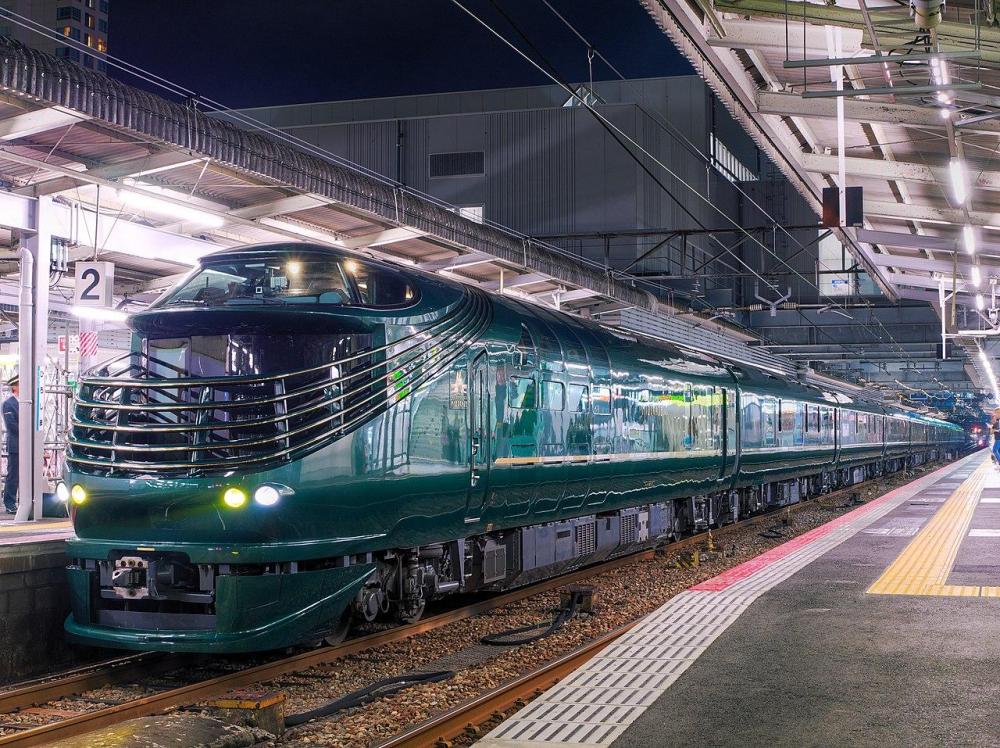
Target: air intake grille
[{"x": 463, "y": 163}]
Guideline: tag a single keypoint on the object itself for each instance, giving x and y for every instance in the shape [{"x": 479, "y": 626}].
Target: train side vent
[
  {"x": 586, "y": 538},
  {"x": 630, "y": 528},
  {"x": 494, "y": 562}
]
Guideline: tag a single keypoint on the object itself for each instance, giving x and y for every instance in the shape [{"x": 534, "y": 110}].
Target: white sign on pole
[{"x": 94, "y": 284}]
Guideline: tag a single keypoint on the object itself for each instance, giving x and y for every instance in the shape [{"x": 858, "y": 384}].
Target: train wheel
[
  {"x": 339, "y": 633},
  {"x": 413, "y": 613}
]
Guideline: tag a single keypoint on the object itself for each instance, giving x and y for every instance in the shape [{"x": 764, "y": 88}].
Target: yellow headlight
[
  {"x": 78, "y": 494},
  {"x": 234, "y": 497}
]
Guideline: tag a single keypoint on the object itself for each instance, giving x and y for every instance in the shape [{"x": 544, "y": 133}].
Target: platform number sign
[{"x": 94, "y": 283}]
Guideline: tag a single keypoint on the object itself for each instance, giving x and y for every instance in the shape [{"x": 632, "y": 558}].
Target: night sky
[{"x": 259, "y": 52}]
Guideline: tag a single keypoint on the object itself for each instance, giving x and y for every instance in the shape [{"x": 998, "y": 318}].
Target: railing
[{"x": 130, "y": 421}]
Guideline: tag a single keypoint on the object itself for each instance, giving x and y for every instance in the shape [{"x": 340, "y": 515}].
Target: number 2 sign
[{"x": 94, "y": 283}]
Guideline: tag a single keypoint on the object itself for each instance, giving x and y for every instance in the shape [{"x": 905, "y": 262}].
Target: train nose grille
[{"x": 140, "y": 416}]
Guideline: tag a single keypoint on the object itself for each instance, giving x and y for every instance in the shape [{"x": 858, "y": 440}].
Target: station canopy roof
[{"x": 908, "y": 97}]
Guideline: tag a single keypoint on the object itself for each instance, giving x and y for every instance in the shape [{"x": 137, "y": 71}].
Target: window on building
[
  {"x": 833, "y": 260},
  {"x": 102, "y": 46},
  {"x": 68, "y": 14},
  {"x": 459, "y": 164},
  {"x": 68, "y": 54},
  {"x": 105, "y": 6},
  {"x": 70, "y": 31},
  {"x": 727, "y": 164},
  {"x": 91, "y": 4},
  {"x": 89, "y": 21},
  {"x": 88, "y": 39},
  {"x": 88, "y": 61},
  {"x": 102, "y": 26}
]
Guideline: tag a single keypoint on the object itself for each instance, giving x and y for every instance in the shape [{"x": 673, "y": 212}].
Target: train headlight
[
  {"x": 234, "y": 497},
  {"x": 62, "y": 492},
  {"x": 78, "y": 494},
  {"x": 269, "y": 494},
  {"x": 266, "y": 495}
]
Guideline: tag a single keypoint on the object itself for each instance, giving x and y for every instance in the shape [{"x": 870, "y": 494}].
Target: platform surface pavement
[
  {"x": 16, "y": 533},
  {"x": 880, "y": 628}
]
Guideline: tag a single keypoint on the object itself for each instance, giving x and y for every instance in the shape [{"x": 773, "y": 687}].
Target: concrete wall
[{"x": 34, "y": 602}]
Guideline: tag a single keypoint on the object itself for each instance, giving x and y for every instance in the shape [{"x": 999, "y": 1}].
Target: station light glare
[
  {"x": 956, "y": 168},
  {"x": 78, "y": 494},
  {"x": 977, "y": 276},
  {"x": 350, "y": 266},
  {"x": 980, "y": 302},
  {"x": 99, "y": 313},
  {"x": 945, "y": 113},
  {"x": 234, "y": 498},
  {"x": 969, "y": 239},
  {"x": 137, "y": 201},
  {"x": 62, "y": 492},
  {"x": 294, "y": 267}
]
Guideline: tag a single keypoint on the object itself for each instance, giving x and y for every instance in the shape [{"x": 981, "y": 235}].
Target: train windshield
[{"x": 285, "y": 279}]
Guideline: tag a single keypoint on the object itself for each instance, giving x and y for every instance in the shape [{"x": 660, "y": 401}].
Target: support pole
[
  {"x": 33, "y": 336},
  {"x": 25, "y": 401}
]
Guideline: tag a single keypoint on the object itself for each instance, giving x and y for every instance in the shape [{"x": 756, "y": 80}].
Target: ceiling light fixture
[
  {"x": 137, "y": 201},
  {"x": 100, "y": 313},
  {"x": 969, "y": 239},
  {"x": 958, "y": 187}
]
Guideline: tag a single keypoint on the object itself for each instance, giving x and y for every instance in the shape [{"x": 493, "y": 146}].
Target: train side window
[
  {"x": 578, "y": 399},
  {"x": 553, "y": 396},
  {"x": 522, "y": 393},
  {"x": 601, "y": 401},
  {"x": 525, "y": 356},
  {"x": 378, "y": 287},
  {"x": 787, "y": 420}
]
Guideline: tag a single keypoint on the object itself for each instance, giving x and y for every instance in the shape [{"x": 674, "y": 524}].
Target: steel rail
[
  {"x": 466, "y": 718},
  {"x": 84, "y": 678},
  {"x": 217, "y": 686}
]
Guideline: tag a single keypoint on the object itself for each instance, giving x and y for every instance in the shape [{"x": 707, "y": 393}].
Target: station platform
[
  {"x": 34, "y": 598},
  {"x": 17, "y": 533},
  {"x": 881, "y": 627}
]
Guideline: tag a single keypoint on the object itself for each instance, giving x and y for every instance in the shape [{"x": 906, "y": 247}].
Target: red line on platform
[{"x": 744, "y": 570}]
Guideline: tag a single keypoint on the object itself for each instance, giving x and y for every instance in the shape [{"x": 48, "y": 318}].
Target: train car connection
[{"x": 300, "y": 438}]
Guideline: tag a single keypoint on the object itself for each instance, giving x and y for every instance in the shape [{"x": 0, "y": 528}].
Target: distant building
[
  {"x": 83, "y": 21},
  {"x": 536, "y": 161}
]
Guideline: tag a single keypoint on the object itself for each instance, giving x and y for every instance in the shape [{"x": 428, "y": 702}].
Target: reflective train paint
[{"x": 299, "y": 439}]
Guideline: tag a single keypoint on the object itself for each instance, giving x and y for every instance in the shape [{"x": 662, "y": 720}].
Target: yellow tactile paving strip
[
  {"x": 924, "y": 565},
  {"x": 43, "y": 527}
]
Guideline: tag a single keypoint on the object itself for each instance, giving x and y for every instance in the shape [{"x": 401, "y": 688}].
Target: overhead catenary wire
[
  {"x": 189, "y": 95},
  {"x": 546, "y": 69},
  {"x": 241, "y": 118}
]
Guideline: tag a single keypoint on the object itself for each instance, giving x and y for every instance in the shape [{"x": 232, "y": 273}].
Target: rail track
[{"x": 34, "y": 695}]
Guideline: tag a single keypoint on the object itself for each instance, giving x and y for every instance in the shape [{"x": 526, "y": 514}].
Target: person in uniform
[
  {"x": 995, "y": 434},
  {"x": 10, "y": 425}
]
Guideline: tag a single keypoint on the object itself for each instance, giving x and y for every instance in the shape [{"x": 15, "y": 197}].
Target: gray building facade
[{"x": 532, "y": 160}]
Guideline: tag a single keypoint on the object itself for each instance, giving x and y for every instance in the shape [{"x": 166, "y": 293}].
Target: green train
[{"x": 299, "y": 439}]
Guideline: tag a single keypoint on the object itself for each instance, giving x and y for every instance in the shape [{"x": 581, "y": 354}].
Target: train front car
[{"x": 222, "y": 474}]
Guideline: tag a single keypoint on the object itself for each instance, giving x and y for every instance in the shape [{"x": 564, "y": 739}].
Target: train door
[
  {"x": 480, "y": 435},
  {"x": 730, "y": 434}
]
